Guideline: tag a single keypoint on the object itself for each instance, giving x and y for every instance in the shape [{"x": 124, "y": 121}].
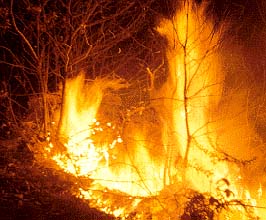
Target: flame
[
  {"x": 136, "y": 174},
  {"x": 126, "y": 161},
  {"x": 193, "y": 90}
]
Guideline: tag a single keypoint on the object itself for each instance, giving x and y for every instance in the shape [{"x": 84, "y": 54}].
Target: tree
[
  {"x": 193, "y": 88},
  {"x": 56, "y": 40}
]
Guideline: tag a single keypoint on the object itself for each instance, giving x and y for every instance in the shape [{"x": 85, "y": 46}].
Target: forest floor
[{"x": 30, "y": 190}]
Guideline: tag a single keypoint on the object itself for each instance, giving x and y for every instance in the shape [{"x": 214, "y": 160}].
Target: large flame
[
  {"x": 126, "y": 161},
  {"x": 193, "y": 90},
  {"x": 136, "y": 173}
]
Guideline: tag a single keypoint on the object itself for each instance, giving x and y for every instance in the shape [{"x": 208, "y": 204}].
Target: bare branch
[{"x": 20, "y": 33}]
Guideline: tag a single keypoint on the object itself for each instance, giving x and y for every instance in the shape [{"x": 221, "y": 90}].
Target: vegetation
[
  {"x": 42, "y": 45},
  {"x": 45, "y": 43}
]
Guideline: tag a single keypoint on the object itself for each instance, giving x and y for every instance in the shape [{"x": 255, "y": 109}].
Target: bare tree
[
  {"x": 56, "y": 40},
  {"x": 193, "y": 87}
]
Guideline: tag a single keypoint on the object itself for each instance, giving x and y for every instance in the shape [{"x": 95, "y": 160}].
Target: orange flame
[
  {"x": 86, "y": 157},
  {"x": 193, "y": 90},
  {"x": 190, "y": 96}
]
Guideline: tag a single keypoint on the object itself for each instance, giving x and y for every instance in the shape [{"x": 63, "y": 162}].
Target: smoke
[{"x": 240, "y": 117}]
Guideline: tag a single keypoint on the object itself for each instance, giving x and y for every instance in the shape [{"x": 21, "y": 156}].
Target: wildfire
[
  {"x": 123, "y": 161},
  {"x": 195, "y": 82}
]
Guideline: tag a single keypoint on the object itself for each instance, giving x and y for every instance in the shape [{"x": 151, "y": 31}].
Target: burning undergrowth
[
  {"x": 177, "y": 140},
  {"x": 166, "y": 157}
]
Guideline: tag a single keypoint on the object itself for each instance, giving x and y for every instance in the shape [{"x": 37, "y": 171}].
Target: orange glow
[
  {"x": 185, "y": 154},
  {"x": 194, "y": 88}
]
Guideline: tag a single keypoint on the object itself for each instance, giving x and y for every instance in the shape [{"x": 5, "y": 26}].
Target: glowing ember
[{"x": 126, "y": 162}]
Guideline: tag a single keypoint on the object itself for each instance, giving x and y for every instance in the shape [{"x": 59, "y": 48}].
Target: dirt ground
[{"x": 29, "y": 190}]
